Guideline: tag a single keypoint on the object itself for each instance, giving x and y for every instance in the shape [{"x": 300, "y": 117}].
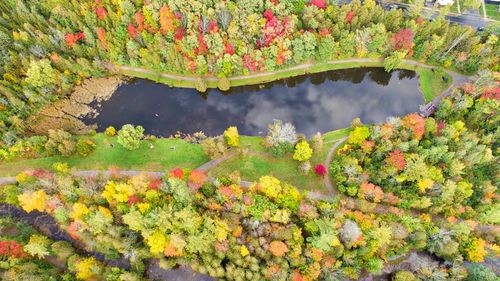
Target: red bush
[
  {"x": 320, "y": 170},
  {"x": 134, "y": 200},
  {"x": 10, "y": 248},
  {"x": 154, "y": 185}
]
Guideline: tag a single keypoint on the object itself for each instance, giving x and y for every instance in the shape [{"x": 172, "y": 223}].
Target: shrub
[
  {"x": 302, "y": 151},
  {"x": 92, "y": 133},
  {"x": 110, "y": 131},
  {"x": 280, "y": 133},
  {"x": 281, "y": 149},
  {"x": 85, "y": 146},
  {"x": 317, "y": 142},
  {"x": 232, "y": 137},
  {"x": 224, "y": 84},
  {"x": 214, "y": 147},
  {"x": 130, "y": 137},
  {"x": 200, "y": 85},
  {"x": 60, "y": 142},
  {"x": 358, "y": 135},
  {"x": 320, "y": 170},
  {"x": 404, "y": 276}
]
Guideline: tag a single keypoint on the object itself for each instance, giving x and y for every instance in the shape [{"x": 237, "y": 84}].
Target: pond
[{"x": 319, "y": 102}]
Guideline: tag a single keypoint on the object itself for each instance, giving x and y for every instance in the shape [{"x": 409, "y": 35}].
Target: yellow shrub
[
  {"x": 30, "y": 201},
  {"x": 232, "y": 137},
  {"x": 476, "y": 250},
  {"x": 23, "y": 177},
  {"x": 79, "y": 210},
  {"x": 302, "y": 151},
  {"x": 270, "y": 186},
  {"x": 87, "y": 268},
  {"x": 157, "y": 242},
  {"x": 244, "y": 251}
]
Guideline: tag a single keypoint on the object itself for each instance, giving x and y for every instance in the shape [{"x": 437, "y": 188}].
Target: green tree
[
  {"x": 394, "y": 60},
  {"x": 41, "y": 74},
  {"x": 130, "y": 137}
]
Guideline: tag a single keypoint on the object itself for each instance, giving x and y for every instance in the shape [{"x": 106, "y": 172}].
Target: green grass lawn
[
  {"x": 431, "y": 84},
  {"x": 160, "y": 158},
  {"x": 492, "y": 11},
  {"x": 253, "y": 166}
]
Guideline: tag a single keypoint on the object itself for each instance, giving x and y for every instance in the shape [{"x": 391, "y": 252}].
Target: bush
[
  {"x": 317, "y": 142},
  {"x": 214, "y": 147},
  {"x": 60, "y": 142},
  {"x": 302, "y": 151},
  {"x": 130, "y": 137},
  {"x": 404, "y": 276},
  {"x": 92, "y": 133},
  {"x": 110, "y": 131},
  {"x": 280, "y": 133},
  {"x": 281, "y": 149},
  {"x": 232, "y": 137},
  {"x": 200, "y": 85},
  {"x": 358, "y": 135},
  {"x": 224, "y": 84},
  {"x": 85, "y": 146}
]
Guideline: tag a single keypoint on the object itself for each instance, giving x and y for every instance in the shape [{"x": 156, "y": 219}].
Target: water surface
[{"x": 319, "y": 102}]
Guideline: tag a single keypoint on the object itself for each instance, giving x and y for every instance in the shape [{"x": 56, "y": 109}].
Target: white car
[{"x": 445, "y": 2}]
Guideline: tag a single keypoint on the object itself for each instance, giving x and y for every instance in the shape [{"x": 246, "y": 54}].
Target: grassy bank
[
  {"x": 252, "y": 166},
  {"x": 432, "y": 84},
  {"x": 166, "y": 154},
  {"x": 492, "y": 11}
]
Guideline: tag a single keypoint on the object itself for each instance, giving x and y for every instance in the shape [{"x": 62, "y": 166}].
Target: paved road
[{"x": 474, "y": 20}]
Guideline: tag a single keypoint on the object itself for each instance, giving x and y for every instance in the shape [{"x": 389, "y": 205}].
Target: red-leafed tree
[
  {"x": 202, "y": 48},
  {"x": 71, "y": 39},
  {"x": 403, "y": 39},
  {"x": 139, "y": 20},
  {"x": 228, "y": 49},
  {"x": 101, "y": 13},
  {"x": 101, "y": 35},
  {"x": 321, "y": 4},
  {"x": 349, "y": 16},
  {"x": 10, "y": 248},
  {"x": 416, "y": 123},
  {"x": 396, "y": 159},
  {"x": 132, "y": 31}
]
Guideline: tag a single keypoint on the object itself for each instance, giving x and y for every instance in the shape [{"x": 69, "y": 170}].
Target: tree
[
  {"x": 232, "y": 137},
  {"x": 130, "y": 137},
  {"x": 224, "y": 84},
  {"x": 302, "y": 151},
  {"x": 40, "y": 74},
  {"x": 60, "y": 142},
  {"x": 393, "y": 61},
  {"x": 403, "y": 39}
]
